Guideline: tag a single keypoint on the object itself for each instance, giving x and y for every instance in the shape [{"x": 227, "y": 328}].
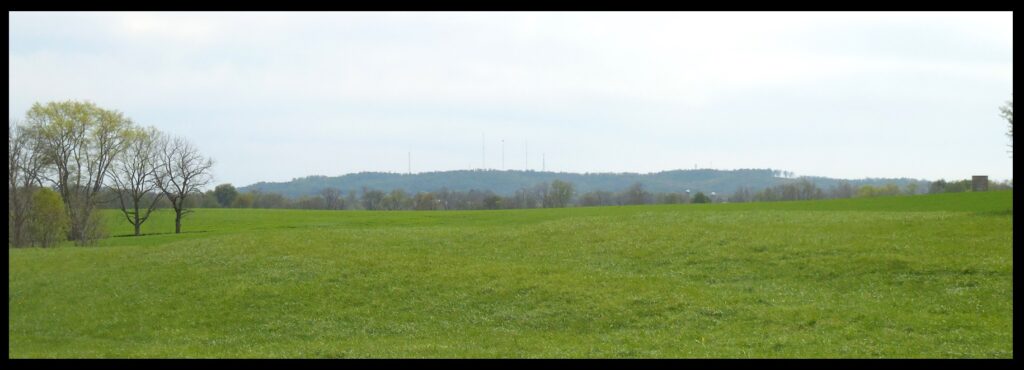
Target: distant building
[{"x": 979, "y": 183}]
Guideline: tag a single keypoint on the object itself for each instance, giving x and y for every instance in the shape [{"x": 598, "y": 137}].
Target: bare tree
[
  {"x": 332, "y": 198},
  {"x": 372, "y": 199},
  {"x": 24, "y": 167},
  {"x": 182, "y": 171},
  {"x": 636, "y": 194},
  {"x": 80, "y": 140},
  {"x": 17, "y": 202},
  {"x": 1007, "y": 112},
  {"x": 134, "y": 176}
]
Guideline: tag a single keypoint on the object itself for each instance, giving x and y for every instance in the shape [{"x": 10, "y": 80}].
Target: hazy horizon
[
  {"x": 276, "y": 96},
  {"x": 795, "y": 175}
]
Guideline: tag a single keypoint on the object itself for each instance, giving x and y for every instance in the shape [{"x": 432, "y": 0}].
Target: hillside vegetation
[
  {"x": 920, "y": 276},
  {"x": 508, "y": 182}
]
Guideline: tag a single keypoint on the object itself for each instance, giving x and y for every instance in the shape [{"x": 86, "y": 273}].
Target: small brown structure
[{"x": 979, "y": 183}]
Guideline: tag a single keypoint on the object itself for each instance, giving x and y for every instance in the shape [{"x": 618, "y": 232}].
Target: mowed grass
[{"x": 907, "y": 277}]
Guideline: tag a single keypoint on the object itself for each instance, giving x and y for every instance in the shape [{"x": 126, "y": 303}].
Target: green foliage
[
  {"x": 636, "y": 194},
  {"x": 268, "y": 200},
  {"x": 48, "y": 221},
  {"x": 425, "y": 202},
  {"x": 80, "y": 140},
  {"x": 867, "y": 191},
  {"x": 911, "y": 189},
  {"x": 209, "y": 200},
  {"x": 226, "y": 194},
  {"x": 244, "y": 200},
  {"x": 373, "y": 199},
  {"x": 560, "y": 194},
  {"x": 508, "y": 183},
  {"x": 700, "y": 198},
  {"x": 493, "y": 202},
  {"x": 923, "y": 276},
  {"x": 943, "y": 186}
]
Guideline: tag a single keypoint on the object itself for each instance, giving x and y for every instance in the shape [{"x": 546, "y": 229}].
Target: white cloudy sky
[{"x": 273, "y": 96}]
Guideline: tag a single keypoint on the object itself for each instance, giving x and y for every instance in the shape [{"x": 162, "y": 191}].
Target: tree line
[
  {"x": 507, "y": 182},
  {"x": 555, "y": 194},
  {"x": 67, "y": 159}
]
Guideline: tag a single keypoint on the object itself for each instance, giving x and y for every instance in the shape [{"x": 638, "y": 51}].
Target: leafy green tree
[
  {"x": 81, "y": 141},
  {"x": 701, "y": 198},
  {"x": 493, "y": 202},
  {"x": 560, "y": 194},
  {"x": 867, "y": 191},
  {"x": 958, "y": 186},
  {"x": 226, "y": 194}
]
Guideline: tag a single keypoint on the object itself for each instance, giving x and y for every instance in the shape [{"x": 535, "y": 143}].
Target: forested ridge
[{"x": 506, "y": 183}]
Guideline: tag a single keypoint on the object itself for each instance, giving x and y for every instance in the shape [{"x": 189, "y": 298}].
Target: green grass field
[{"x": 907, "y": 277}]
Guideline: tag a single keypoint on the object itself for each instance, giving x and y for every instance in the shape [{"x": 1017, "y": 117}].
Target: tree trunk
[
  {"x": 137, "y": 225},
  {"x": 77, "y": 232},
  {"x": 177, "y": 222}
]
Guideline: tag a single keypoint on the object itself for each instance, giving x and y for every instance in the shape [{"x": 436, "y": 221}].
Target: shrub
[
  {"x": 701, "y": 198},
  {"x": 47, "y": 220}
]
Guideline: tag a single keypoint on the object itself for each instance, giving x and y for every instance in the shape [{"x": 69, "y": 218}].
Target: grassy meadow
[{"x": 906, "y": 277}]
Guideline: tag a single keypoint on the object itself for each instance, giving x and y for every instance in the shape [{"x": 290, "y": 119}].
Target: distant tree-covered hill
[{"x": 507, "y": 182}]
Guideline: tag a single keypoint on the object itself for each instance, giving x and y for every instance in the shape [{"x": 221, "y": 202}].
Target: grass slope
[{"x": 924, "y": 276}]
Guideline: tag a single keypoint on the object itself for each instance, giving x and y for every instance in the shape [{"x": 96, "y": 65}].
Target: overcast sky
[{"x": 274, "y": 96}]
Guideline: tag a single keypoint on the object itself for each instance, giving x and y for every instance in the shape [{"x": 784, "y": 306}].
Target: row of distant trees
[
  {"x": 66, "y": 159},
  {"x": 556, "y": 194}
]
